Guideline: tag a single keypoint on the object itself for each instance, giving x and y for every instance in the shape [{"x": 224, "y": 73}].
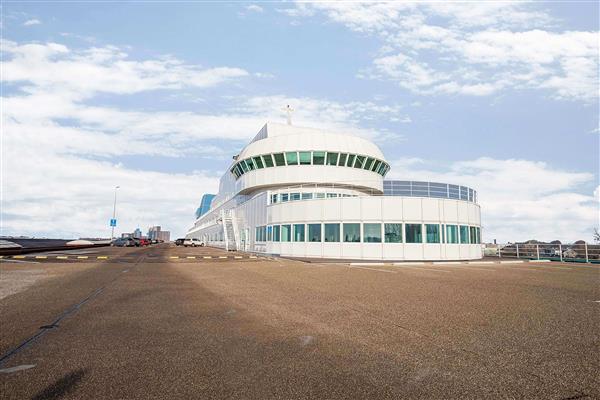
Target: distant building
[
  {"x": 155, "y": 233},
  {"x": 137, "y": 234},
  {"x": 204, "y": 205}
]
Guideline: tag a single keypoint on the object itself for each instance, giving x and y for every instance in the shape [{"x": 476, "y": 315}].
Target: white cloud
[
  {"x": 31, "y": 22},
  {"x": 519, "y": 199},
  {"x": 473, "y": 48},
  {"x": 53, "y": 66},
  {"x": 255, "y": 8}
]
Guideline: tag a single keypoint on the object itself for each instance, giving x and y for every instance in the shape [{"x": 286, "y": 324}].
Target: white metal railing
[{"x": 572, "y": 252}]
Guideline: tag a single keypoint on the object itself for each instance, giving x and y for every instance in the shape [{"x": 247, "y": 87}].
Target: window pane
[
  {"x": 274, "y": 198},
  {"x": 478, "y": 235},
  {"x": 250, "y": 164},
  {"x": 376, "y": 165},
  {"x": 372, "y": 233},
  {"x": 342, "y": 161},
  {"x": 473, "y": 233},
  {"x": 279, "y": 159},
  {"x": 298, "y": 232},
  {"x": 332, "y": 158},
  {"x": 451, "y": 234},
  {"x": 291, "y": 158},
  {"x": 258, "y": 162},
  {"x": 305, "y": 157},
  {"x": 268, "y": 160},
  {"x": 331, "y": 195},
  {"x": 464, "y": 234},
  {"x": 239, "y": 169},
  {"x": 269, "y": 233},
  {"x": 351, "y": 158},
  {"x": 314, "y": 232},
  {"x": 433, "y": 233},
  {"x": 307, "y": 196},
  {"x": 284, "y": 197},
  {"x": 393, "y": 233},
  {"x": 351, "y": 232},
  {"x": 244, "y": 166},
  {"x": 332, "y": 232},
  {"x": 276, "y": 231},
  {"x": 369, "y": 163},
  {"x": 318, "y": 157},
  {"x": 294, "y": 196},
  {"x": 359, "y": 162},
  {"x": 320, "y": 195},
  {"x": 413, "y": 233},
  {"x": 286, "y": 233}
]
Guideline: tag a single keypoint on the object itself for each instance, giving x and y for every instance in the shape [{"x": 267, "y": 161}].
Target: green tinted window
[
  {"x": 291, "y": 158},
  {"x": 318, "y": 157},
  {"x": 286, "y": 233},
  {"x": 239, "y": 169},
  {"x": 473, "y": 235},
  {"x": 332, "y": 232},
  {"x": 279, "y": 159},
  {"x": 314, "y": 232},
  {"x": 376, "y": 165},
  {"x": 250, "y": 164},
  {"x": 343, "y": 158},
  {"x": 351, "y": 232},
  {"x": 294, "y": 196},
  {"x": 243, "y": 166},
  {"x": 276, "y": 233},
  {"x": 258, "y": 162},
  {"x": 372, "y": 233},
  {"x": 268, "y": 160},
  {"x": 332, "y": 158},
  {"x": 414, "y": 233},
  {"x": 351, "y": 158},
  {"x": 451, "y": 234},
  {"x": 359, "y": 162},
  {"x": 299, "y": 232},
  {"x": 305, "y": 157},
  {"x": 464, "y": 234},
  {"x": 393, "y": 233},
  {"x": 432, "y": 232},
  {"x": 369, "y": 162}
]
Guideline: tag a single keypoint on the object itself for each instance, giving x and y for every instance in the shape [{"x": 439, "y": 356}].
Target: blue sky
[{"x": 157, "y": 97}]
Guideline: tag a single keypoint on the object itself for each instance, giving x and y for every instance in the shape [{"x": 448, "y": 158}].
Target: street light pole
[{"x": 112, "y": 232}]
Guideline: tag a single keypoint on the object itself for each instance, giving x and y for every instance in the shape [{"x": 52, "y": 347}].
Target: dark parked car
[
  {"x": 179, "y": 242},
  {"x": 123, "y": 242}
]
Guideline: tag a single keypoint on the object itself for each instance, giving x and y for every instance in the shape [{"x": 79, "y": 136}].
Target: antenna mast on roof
[{"x": 288, "y": 111}]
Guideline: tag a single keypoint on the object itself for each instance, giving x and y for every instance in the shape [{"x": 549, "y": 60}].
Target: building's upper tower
[{"x": 283, "y": 155}]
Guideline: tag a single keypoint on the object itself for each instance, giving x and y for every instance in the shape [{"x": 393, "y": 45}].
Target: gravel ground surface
[{"x": 143, "y": 324}]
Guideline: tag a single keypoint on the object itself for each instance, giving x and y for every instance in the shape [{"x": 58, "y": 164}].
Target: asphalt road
[{"x": 169, "y": 323}]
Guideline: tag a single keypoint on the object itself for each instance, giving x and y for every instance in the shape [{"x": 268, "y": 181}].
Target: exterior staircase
[{"x": 229, "y": 230}]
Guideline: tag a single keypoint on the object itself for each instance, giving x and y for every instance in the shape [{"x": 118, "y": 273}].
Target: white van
[{"x": 193, "y": 242}]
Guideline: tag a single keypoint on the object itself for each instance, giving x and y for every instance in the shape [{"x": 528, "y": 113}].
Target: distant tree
[{"x": 596, "y": 235}]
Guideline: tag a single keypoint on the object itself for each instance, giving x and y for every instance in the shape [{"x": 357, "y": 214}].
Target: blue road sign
[{"x": 113, "y": 222}]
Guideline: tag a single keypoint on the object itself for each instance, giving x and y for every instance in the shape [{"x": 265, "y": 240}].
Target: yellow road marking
[
  {"x": 207, "y": 257},
  {"x": 174, "y": 257},
  {"x": 191, "y": 257},
  {"x": 237, "y": 256},
  {"x": 41, "y": 256},
  {"x": 222, "y": 256},
  {"x": 18, "y": 257},
  {"x": 62, "y": 257},
  {"x": 82, "y": 256},
  {"x": 252, "y": 257},
  {"x": 102, "y": 257}
]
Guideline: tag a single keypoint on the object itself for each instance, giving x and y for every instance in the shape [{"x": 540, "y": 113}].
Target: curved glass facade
[
  {"x": 331, "y": 158},
  {"x": 429, "y": 189}
]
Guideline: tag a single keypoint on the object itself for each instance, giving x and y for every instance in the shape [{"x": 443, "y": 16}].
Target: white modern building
[{"x": 302, "y": 192}]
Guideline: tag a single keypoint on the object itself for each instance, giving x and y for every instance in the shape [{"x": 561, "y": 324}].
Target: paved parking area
[{"x": 165, "y": 322}]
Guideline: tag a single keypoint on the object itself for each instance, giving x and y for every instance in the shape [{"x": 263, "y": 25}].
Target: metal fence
[{"x": 570, "y": 252}]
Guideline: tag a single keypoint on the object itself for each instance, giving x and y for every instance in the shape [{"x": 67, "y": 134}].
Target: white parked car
[{"x": 193, "y": 242}]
